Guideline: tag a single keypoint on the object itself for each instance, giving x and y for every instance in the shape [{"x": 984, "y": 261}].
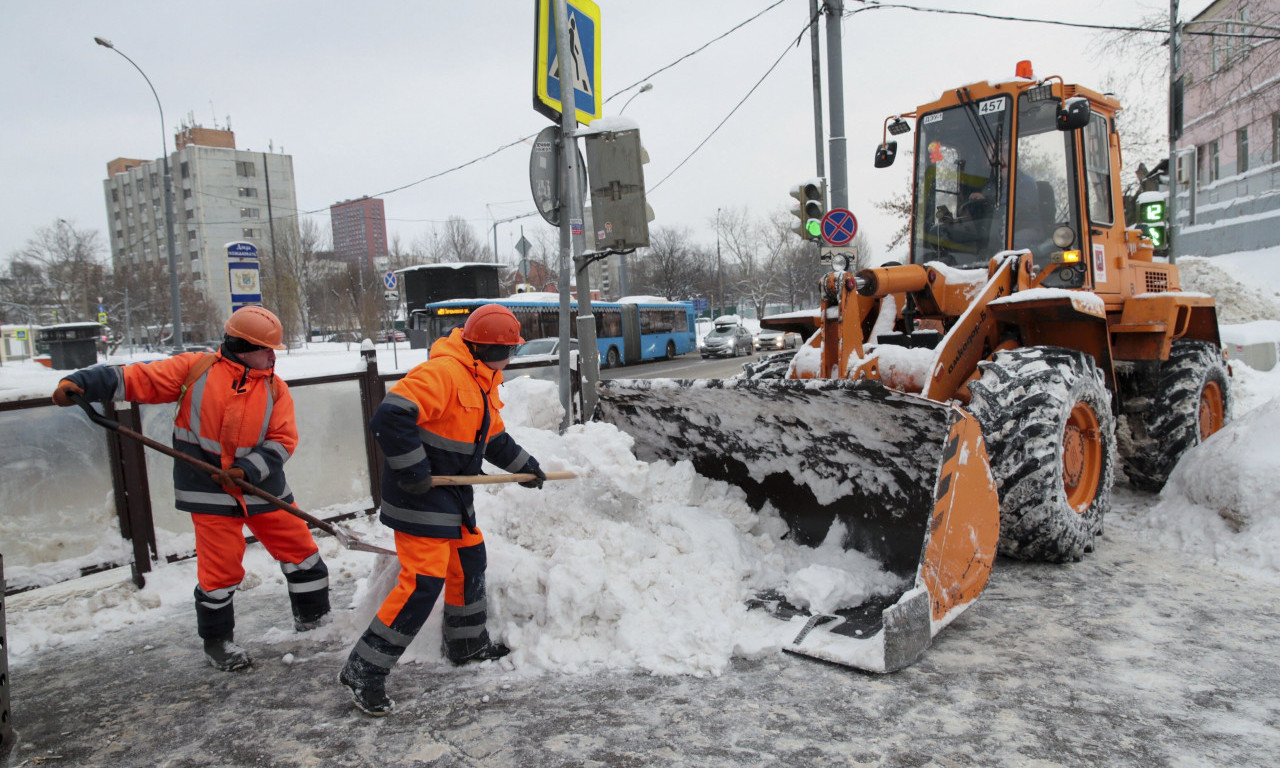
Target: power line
[
  {"x": 869, "y": 5},
  {"x": 790, "y": 45},
  {"x": 524, "y": 139}
]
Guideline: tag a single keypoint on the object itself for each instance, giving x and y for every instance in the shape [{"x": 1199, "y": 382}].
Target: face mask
[{"x": 493, "y": 353}]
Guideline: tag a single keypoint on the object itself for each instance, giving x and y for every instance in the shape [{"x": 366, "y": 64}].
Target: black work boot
[
  {"x": 367, "y": 686},
  {"x": 225, "y": 655},
  {"x": 308, "y": 623},
  {"x": 488, "y": 652}
]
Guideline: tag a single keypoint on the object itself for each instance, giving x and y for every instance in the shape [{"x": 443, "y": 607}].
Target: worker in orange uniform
[
  {"x": 443, "y": 417},
  {"x": 235, "y": 413}
]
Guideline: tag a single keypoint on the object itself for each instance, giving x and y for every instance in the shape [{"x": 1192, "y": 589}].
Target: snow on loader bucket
[{"x": 908, "y": 478}]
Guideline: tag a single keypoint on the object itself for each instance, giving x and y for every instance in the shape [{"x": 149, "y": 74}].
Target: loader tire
[
  {"x": 1171, "y": 409},
  {"x": 1050, "y": 435}
]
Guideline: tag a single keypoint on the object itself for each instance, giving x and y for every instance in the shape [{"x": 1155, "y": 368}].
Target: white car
[
  {"x": 768, "y": 339},
  {"x": 540, "y": 359}
]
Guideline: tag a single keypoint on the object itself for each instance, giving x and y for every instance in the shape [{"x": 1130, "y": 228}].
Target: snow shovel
[
  {"x": 345, "y": 537},
  {"x": 519, "y": 477}
]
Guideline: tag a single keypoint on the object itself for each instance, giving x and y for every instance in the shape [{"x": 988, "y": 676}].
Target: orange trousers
[{"x": 220, "y": 544}]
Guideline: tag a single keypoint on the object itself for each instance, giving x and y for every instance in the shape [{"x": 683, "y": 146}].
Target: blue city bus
[{"x": 626, "y": 332}]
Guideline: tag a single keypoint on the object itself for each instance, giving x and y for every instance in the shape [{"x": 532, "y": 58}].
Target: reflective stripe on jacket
[
  {"x": 231, "y": 416},
  {"x": 431, "y": 422}
]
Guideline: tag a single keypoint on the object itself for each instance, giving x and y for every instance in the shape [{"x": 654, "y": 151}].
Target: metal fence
[{"x": 135, "y": 500}]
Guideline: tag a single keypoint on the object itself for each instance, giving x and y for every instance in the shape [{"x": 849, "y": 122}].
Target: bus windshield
[{"x": 961, "y": 183}]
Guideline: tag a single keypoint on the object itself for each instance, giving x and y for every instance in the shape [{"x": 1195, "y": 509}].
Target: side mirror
[
  {"x": 886, "y": 153},
  {"x": 1073, "y": 114}
]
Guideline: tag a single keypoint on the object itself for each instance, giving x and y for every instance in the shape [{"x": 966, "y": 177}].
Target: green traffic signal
[
  {"x": 811, "y": 206},
  {"x": 1153, "y": 211},
  {"x": 1156, "y": 233}
]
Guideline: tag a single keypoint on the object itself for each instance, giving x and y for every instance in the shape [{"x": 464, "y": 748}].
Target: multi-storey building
[
  {"x": 359, "y": 231},
  {"x": 1229, "y": 151},
  {"x": 220, "y": 196}
]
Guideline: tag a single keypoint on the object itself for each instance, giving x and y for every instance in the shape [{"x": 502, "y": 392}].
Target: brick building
[{"x": 359, "y": 231}]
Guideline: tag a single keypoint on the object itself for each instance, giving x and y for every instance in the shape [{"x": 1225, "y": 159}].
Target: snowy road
[{"x": 1133, "y": 657}]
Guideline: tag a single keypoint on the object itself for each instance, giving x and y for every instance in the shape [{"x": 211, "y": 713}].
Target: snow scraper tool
[
  {"x": 345, "y": 537},
  {"x": 906, "y": 476}
]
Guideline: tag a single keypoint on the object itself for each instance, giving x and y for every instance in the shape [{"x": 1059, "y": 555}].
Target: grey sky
[{"x": 374, "y": 95}]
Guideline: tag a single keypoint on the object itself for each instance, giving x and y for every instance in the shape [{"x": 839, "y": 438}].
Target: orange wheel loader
[{"x": 980, "y": 397}]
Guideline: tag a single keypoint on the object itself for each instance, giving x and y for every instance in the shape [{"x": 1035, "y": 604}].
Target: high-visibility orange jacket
[
  {"x": 231, "y": 416},
  {"x": 441, "y": 418}
]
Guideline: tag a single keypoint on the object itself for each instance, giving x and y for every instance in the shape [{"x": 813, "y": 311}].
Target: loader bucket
[{"x": 908, "y": 478}]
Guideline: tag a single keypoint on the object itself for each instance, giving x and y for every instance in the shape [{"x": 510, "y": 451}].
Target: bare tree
[
  {"x": 454, "y": 242},
  {"x": 671, "y": 266},
  {"x": 298, "y": 274},
  {"x": 755, "y": 249},
  {"x": 68, "y": 266}
]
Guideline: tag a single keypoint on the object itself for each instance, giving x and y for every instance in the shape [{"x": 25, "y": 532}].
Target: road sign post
[{"x": 839, "y": 227}]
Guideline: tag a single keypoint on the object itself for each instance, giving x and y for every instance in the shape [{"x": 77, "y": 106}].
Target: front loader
[{"x": 979, "y": 397}]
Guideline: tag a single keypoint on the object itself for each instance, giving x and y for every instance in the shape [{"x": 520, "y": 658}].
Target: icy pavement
[{"x": 1135, "y": 656}]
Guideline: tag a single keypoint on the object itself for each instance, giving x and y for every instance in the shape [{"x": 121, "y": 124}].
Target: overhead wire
[{"x": 876, "y": 4}]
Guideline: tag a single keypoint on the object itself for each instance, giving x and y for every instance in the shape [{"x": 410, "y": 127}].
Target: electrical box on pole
[
  {"x": 810, "y": 207},
  {"x": 615, "y": 169}
]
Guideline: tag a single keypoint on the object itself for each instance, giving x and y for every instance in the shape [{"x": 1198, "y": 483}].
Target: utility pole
[
  {"x": 1174, "y": 39},
  {"x": 815, "y": 49},
  {"x": 572, "y": 264},
  {"x": 839, "y": 185}
]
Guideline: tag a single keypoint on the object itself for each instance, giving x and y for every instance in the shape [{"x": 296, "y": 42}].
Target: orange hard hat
[
  {"x": 256, "y": 325},
  {"x": 492, "y": 324}
]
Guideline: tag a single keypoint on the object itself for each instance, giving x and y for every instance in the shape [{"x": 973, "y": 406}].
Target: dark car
[{"x": 727, "y": 340}]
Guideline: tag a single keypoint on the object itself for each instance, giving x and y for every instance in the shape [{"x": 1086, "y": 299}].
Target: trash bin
[{"x": 71, "y": 345}]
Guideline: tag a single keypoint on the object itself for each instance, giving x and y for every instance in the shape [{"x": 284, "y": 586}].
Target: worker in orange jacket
[
  {"x": 442, "y": 418},
  {"x": 235, "y": 413}
]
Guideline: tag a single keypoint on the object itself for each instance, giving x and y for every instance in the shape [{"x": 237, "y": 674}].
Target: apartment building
[
  {"x": 1229, "y": 150},
  {"x": 221, "y": 195}
]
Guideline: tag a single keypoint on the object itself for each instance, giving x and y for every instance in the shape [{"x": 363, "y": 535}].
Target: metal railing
[{"x": 131, "y": 484}]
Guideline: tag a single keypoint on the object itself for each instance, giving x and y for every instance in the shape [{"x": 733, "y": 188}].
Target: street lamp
[
  {"x": 719, "y": 271},
  {"x": 643, "y": 89},
  {"x": 168, "y": 205}
]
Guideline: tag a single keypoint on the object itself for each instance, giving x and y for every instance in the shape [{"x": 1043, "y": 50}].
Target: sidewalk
[{"x": 1132, "y": 657}]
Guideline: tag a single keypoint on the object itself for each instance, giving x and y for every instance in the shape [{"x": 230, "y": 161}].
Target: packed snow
[{"x": 638, "y": 566}]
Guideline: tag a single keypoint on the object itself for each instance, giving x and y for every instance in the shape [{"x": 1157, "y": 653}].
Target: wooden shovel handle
[{"x": 521, "y": 477}]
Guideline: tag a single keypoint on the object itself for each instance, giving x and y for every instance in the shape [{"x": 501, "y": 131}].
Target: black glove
[
  {"x": 531, "y": 468},
  {"x": 415, "y": 482}
]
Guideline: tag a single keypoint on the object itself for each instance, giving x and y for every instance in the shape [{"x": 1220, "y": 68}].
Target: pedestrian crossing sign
[{"x": 584, "y": 37}]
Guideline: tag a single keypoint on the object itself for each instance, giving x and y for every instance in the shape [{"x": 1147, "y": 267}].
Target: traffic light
[
  {"x": 615, "y": 165},
  {"x": 811, "y": 206},
  {"x": 1151, "y": 217}
]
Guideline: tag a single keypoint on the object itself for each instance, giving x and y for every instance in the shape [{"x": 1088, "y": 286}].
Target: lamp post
[
  {"x": 174, "y": 299},
  {"x": 643, "y": 89},
  {"x": 719, "y": 271}
]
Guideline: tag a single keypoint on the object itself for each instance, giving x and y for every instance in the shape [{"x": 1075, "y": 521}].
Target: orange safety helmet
[
  {"x": 257, "y": 326},
  {"x": 492, "y": 324}
]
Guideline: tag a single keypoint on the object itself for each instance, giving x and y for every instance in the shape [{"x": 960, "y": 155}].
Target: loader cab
[
  {"x": 1046, "y": 210},
  {"x": 962, "y": 182},
  {"x": 996, "y": 170}
]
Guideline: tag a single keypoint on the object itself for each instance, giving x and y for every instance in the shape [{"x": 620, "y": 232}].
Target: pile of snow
[
  {"x": 1222, "y": 501},
  {"x": 1244, "y": 285},
  {"x": 631, "y": 566}
]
